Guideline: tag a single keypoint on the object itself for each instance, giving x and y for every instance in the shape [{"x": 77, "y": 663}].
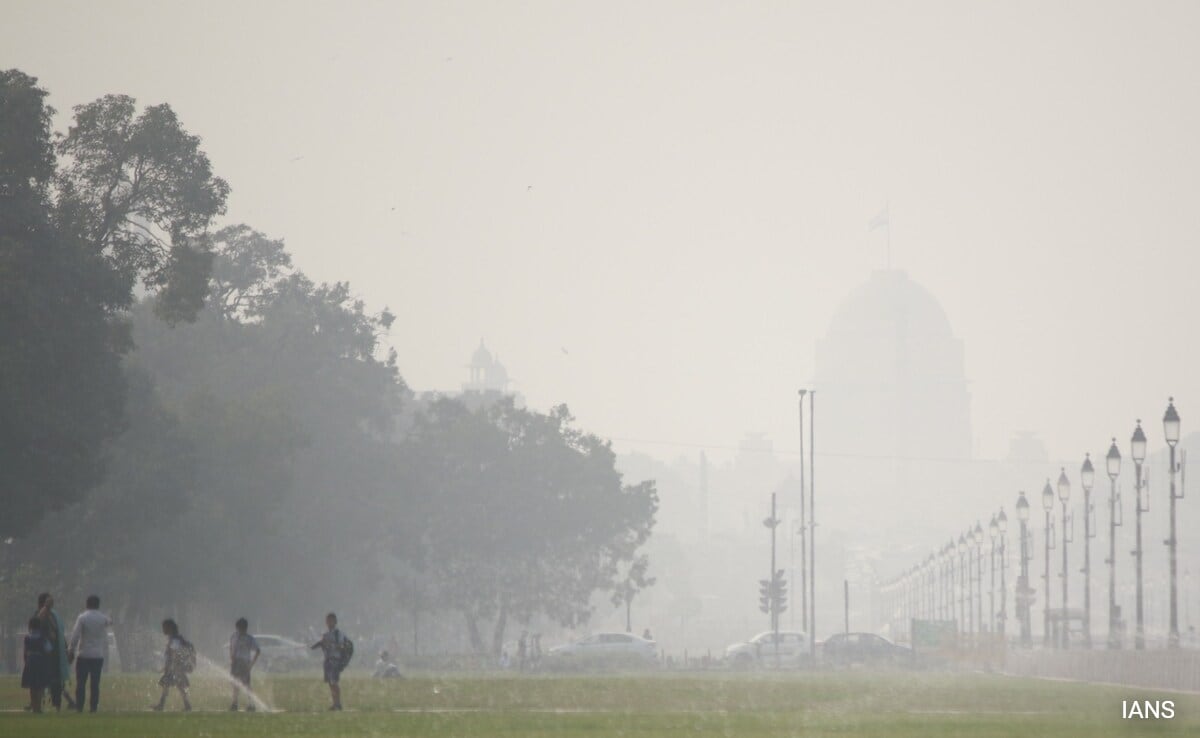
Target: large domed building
[{"x": 893, "y": 409}]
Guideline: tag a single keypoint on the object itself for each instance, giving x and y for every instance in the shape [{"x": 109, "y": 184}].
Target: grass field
[{"x": 712, "y": 704}]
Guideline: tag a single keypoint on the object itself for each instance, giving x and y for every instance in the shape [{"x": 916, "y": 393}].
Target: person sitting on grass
[
  {"x": 243, "y": 654},
  {"x": 335, "y": 647},
  {"x": 177, "y": 662},
  {"x": 38, "y": 665},
  {"x": 385, "y": 668}
]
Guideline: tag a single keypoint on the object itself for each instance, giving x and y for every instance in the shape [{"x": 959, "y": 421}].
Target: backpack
[
  {"x": 345, "y": 651},
  {"x": 187, "y": 656}
]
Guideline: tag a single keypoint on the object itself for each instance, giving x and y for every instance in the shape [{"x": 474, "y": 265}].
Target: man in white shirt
[{"x": 88, "y": 645}]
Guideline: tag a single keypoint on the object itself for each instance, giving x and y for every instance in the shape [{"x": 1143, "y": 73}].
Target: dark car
[{"x": 865, "y": 649}]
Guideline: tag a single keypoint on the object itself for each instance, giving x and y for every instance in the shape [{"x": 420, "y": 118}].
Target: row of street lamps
[{"x": 928, "y": 590}]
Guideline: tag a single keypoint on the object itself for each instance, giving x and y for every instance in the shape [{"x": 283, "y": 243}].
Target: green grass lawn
[{"x": 713, "y": 704}]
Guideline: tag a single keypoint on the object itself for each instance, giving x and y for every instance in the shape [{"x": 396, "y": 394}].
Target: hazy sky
[{"x": 677, "y": 193}]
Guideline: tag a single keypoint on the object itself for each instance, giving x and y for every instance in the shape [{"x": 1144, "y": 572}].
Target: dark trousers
[{"x": 85, "y": 669}]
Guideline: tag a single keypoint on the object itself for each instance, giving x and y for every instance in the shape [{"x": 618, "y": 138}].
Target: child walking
[
  {"x": 338, "y": 650},
  {"x": 38, "y": 669},
  {"x": 243, "y": 654},
  {"x": 178, "y": 660}
]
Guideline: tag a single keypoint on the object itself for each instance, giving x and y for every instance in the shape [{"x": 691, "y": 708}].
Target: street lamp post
[
  {"x": 1087, "y": 476},
  {"x": 994, "y": 533},
  {"x": 1137, "y": 450},
  {"x": 1023, "y": 587},
  {"x": 978, "y": 538},
  {"x": 1171, "y": 432},
  {"x": 1048, "y": 506},
  {"x": 1064, "y": 494},
  {"x": 1002, "y": 526},
  {"x": 1112, "y": 465},
  {"x": 962, "y": 583}
]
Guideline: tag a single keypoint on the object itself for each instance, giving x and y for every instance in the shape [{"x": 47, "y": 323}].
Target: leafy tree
[
  {"x": 61, "y": 334},
  {"x": 525, "y": 514},
  {"x": 139, "y": 189}
]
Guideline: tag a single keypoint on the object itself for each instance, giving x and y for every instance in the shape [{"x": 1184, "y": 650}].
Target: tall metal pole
[
  {"x": 774, "y": 580},
  {"x": 812, "y": 527},
  {"x": 1065, "y": 548},
  {"x": 1139, "y": 640},
  {"x": 1087, "y": 567},
  {"x": 970, "y": 592},
  {"x": 979, "y": 583},
  {"x": 1113, "y": 468},
  {"x": 1003, "y": 583},
  {"x": 1171, "y": 432},
  {"x": 1173, "y": 633},
  {"x": 992, "y": 590},
  {"x": 963, "y": 623},
  {"x": 1046, "y": 606},
  {"x": 803, "y": 549},
  {"x": 1023, "y": 587}
]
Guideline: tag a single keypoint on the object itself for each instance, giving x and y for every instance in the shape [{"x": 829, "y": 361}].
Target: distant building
[
  {"x": 487, "y": 381},
  {"x": 893, "y": 409},
  {"x": 487, "y": 374}
]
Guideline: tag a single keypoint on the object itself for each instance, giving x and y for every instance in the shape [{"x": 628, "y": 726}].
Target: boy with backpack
[
  {"x": 243, "y": 653},
  {"x": 338, "y": 650},
  {"x": 179, "y": 661}
]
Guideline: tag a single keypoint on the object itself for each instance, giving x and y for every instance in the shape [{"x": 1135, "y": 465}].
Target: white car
[
  {"x": 280, "y": 653},
  {"x": 794, "y": 650},
  {"x": 604, "y": 646}
]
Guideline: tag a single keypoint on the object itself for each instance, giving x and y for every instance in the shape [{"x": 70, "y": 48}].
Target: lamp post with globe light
[
  {"x": 1064, "y": 494},
  {"x": 1087, "y": 476},
  {"x": 1023, "y": 599},
  {"x": 1137, "y": 450},
  {"x": 962, "y": 583},
  {"x": 1171, "y": 433},
  {"x": 1002, "y": 527},
  {"x": 1112, "y": 465},
  {"x": 977, "y": 538},
  {"x": 1048, "y": 506},
  {"x": 993, "y": 535}
]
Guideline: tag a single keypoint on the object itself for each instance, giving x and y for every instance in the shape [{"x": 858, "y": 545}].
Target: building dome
[
  {"x": 888, "y": 299},
  {"x": 893, "y": 400},
  {"x": 482, "y": 358}
]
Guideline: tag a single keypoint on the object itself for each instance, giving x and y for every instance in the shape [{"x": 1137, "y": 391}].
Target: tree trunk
[
  {"x": 473, "y": 631},
  {"x": 628, "y": 615},
  {"x": 498, "y": 632}
]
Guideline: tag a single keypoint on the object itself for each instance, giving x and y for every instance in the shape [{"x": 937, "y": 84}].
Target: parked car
[
  {"x": 607, "y": 648},
  {"x": 865, "y": 649},
  {"x": 794, "y": 650},
  {"x": 282, "y": 654}
]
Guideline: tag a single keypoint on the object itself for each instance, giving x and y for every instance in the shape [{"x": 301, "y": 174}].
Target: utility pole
[
  {"x": 773, "y": 588},
  {"x": 812, "y": 527},
  {"x": 803, "y": 551}
]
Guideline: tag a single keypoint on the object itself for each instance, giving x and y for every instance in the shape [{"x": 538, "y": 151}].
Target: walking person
[
  {"x": 179, "y": 659},
  {"x": 243, "y": 654},
  {"x": 39, "y": 653},
  {"x": 338, "y": 650},
  {"x": 88, "y": 647},
  {"x": 52, "y": 629}
]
